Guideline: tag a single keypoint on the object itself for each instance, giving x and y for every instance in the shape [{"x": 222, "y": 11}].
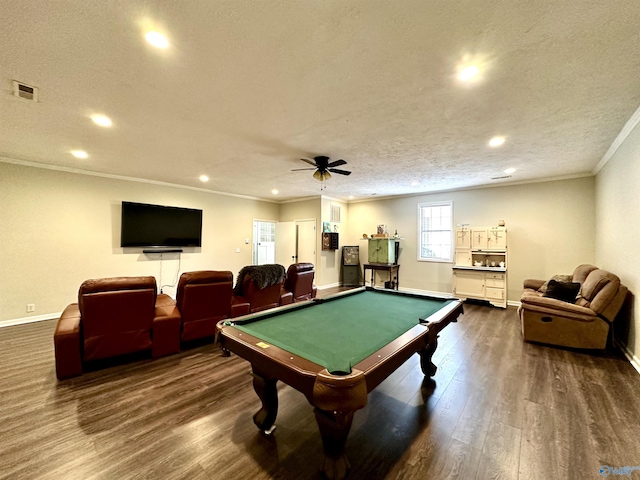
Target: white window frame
[{"x": 449, "y": 204}]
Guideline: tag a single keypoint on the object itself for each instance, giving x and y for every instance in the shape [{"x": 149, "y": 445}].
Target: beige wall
[
  {"x": 551, "y": 227},
  {"x": 329, "y": 262},
  {"x": 305, "y": 210},
  {"x": 618, "y": 230},
  {"x": 58, "y": 229}
]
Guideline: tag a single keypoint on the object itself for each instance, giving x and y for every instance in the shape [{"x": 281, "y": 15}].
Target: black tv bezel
[{"x": 159, "y": 208}]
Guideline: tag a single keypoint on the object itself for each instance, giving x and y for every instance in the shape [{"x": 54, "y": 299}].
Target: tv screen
[{"x": 146, "y": 225}]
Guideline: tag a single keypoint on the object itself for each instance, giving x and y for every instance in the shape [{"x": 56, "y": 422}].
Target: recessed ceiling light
[
  {"x": 415, "y": 184},
  {"x": 204, "y": 178},
  {"x": 101, "y": 120},
  {"x": 509, "y": 171},
  {"x": 274, "y": 191},
  {"x": 157, "y": 39},
  {"x": 79, "y": 154},
  {"x": 496, "y": 141},
  {"x": 351, "y": 197},
  {"x": 468, "y": 72}
]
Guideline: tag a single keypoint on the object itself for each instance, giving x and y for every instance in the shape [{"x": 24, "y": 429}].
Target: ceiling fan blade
[
  {"x": 337, "y": 163},
  {"x": 341, "y": 172},
  {"x": 310, "y": 162},
  {"x": 298, "y": 169}
]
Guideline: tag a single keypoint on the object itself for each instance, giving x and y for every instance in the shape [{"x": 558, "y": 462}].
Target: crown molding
[
  {"x": 622, "y": 136},
  {"x": 111, "y": 176}
]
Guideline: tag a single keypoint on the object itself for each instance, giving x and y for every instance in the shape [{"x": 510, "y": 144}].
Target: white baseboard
[
  {"x": 33, "y": 319},
  {"x": 633, "y": 359}
]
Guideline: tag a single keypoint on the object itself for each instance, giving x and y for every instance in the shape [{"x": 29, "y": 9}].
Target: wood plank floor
[{"x": 498, "y": 408}]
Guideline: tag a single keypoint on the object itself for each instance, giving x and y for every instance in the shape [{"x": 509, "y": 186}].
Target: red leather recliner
[
  {"x": 259, "y": 299},
  {"x": 300, "y": 281},
  {"x": 203, "y": 299},
  {"x": 115, "y": 316}
]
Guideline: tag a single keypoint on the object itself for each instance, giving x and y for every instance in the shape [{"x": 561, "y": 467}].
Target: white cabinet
[
  {"x": 463, "y": 237},
  {"x": 488, "y": 238},
  {"x": 480, "y": 268}
]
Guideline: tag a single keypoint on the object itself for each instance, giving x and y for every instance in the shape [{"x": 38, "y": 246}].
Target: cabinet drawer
[
  {"x": 495, "y": 276},
  {"x": 494, "y": 282},
  {"x": 494, "y": 293}
]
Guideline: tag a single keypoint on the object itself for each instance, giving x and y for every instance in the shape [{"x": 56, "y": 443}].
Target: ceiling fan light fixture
[{"x": 317, "y": 175}]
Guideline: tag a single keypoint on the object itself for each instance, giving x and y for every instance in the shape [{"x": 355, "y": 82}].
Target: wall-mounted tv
[{"x": 145, "y": 225}]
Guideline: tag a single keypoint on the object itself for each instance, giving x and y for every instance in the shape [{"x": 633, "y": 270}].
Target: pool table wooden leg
[
  {"x": 268, "y": 394},
  {"x": 428, "y": 367},
  {"x": 334, "y": 428}
]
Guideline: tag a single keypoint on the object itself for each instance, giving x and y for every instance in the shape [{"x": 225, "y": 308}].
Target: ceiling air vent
[
  {"x": 500, "y": 178},
  {"x": 25, "y": 91}
]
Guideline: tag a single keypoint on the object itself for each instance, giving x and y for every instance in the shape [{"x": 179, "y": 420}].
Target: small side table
[{"x": 389, "y": 267}]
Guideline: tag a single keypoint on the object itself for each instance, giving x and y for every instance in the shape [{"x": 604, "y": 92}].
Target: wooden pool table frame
[{"x": 335, "y": 398}]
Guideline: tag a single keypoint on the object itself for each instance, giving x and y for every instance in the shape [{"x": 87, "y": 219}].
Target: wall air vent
[
  {"x": 25, "y": 91},
  {"x": 500, "y": 178}
]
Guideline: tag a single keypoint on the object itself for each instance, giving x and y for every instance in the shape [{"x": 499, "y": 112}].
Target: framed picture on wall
[
  {"x": 326, "y": 226},
  {"x": 382, "y": 229}
]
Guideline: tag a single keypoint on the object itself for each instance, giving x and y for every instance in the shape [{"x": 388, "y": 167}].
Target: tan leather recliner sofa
[{"x": 583, "y": 324}]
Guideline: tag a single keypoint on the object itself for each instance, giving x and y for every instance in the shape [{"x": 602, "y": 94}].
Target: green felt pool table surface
[{"x": 340, "y": 333}]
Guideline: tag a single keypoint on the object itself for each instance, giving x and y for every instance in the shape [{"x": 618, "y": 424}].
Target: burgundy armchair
[
  {"x": 300, "y": 281},
  {"x": 203, "y": 298},
  {"x": 115, "y": 316},
  {"x": 261, "y": 286}
]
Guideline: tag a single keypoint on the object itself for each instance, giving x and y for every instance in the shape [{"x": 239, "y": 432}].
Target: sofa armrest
[
  {"x": 239, "y": 306},
  {"x": 166, "y": 327},
  {"x": 553, "y": 306},
  {"x": 68, "y": 343},
  {"x": 533, "y": 284},
  {"x": 285, "y": 297}
]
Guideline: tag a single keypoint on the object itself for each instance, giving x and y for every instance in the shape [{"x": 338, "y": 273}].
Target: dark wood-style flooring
[{"x": 499, "y": 408}]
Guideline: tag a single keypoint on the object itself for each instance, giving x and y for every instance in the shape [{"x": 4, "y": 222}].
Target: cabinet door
[
  {"x": 468, "y": 283},
  {"x": 463, "y": 258},
  {"x": 373, "y": 251},
  {"x": 479, "y": 239},
  {"x": 463, "y": 237},
  {"x": 497, "y": 238},
  {"x": 383, "y": 251}
]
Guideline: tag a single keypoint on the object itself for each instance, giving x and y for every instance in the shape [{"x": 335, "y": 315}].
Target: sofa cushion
[
  {"x": 557, "y": 278},
  {"x": 565, "y": 291},
  {"x": 598, "y": 290}
]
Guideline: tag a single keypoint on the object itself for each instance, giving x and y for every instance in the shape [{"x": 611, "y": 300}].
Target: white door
[
  {"x": 306, "y": 241},
  {"x": 285, "y": 243},
  {"x": 264, "y": 247}
]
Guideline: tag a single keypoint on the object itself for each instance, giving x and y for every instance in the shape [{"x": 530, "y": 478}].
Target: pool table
[{"x": 335, "y": 351}]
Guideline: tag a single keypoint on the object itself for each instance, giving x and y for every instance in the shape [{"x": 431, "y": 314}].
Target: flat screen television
[{"x": 145, "y": 225}]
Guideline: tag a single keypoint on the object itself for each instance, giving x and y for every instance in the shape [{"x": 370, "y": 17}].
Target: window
[{"x": 435, "y": 231}]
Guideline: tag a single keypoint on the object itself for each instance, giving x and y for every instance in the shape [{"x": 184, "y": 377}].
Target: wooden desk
[{"x": 389, "y": 267}]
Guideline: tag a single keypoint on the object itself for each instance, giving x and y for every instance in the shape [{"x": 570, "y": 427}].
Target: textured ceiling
[{"x": 248, "y": 87}]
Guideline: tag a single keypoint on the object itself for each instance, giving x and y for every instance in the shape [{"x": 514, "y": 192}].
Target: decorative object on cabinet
[
  {"x": 329, "y": 241},
  {"x": 480, "y": 268}
]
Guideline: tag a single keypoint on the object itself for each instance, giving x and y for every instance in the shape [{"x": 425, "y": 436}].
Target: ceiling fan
[{"x": 322, "y": 167}]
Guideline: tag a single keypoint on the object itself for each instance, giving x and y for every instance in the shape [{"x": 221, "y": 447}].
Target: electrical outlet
[{"x": 31, "y": 307}]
